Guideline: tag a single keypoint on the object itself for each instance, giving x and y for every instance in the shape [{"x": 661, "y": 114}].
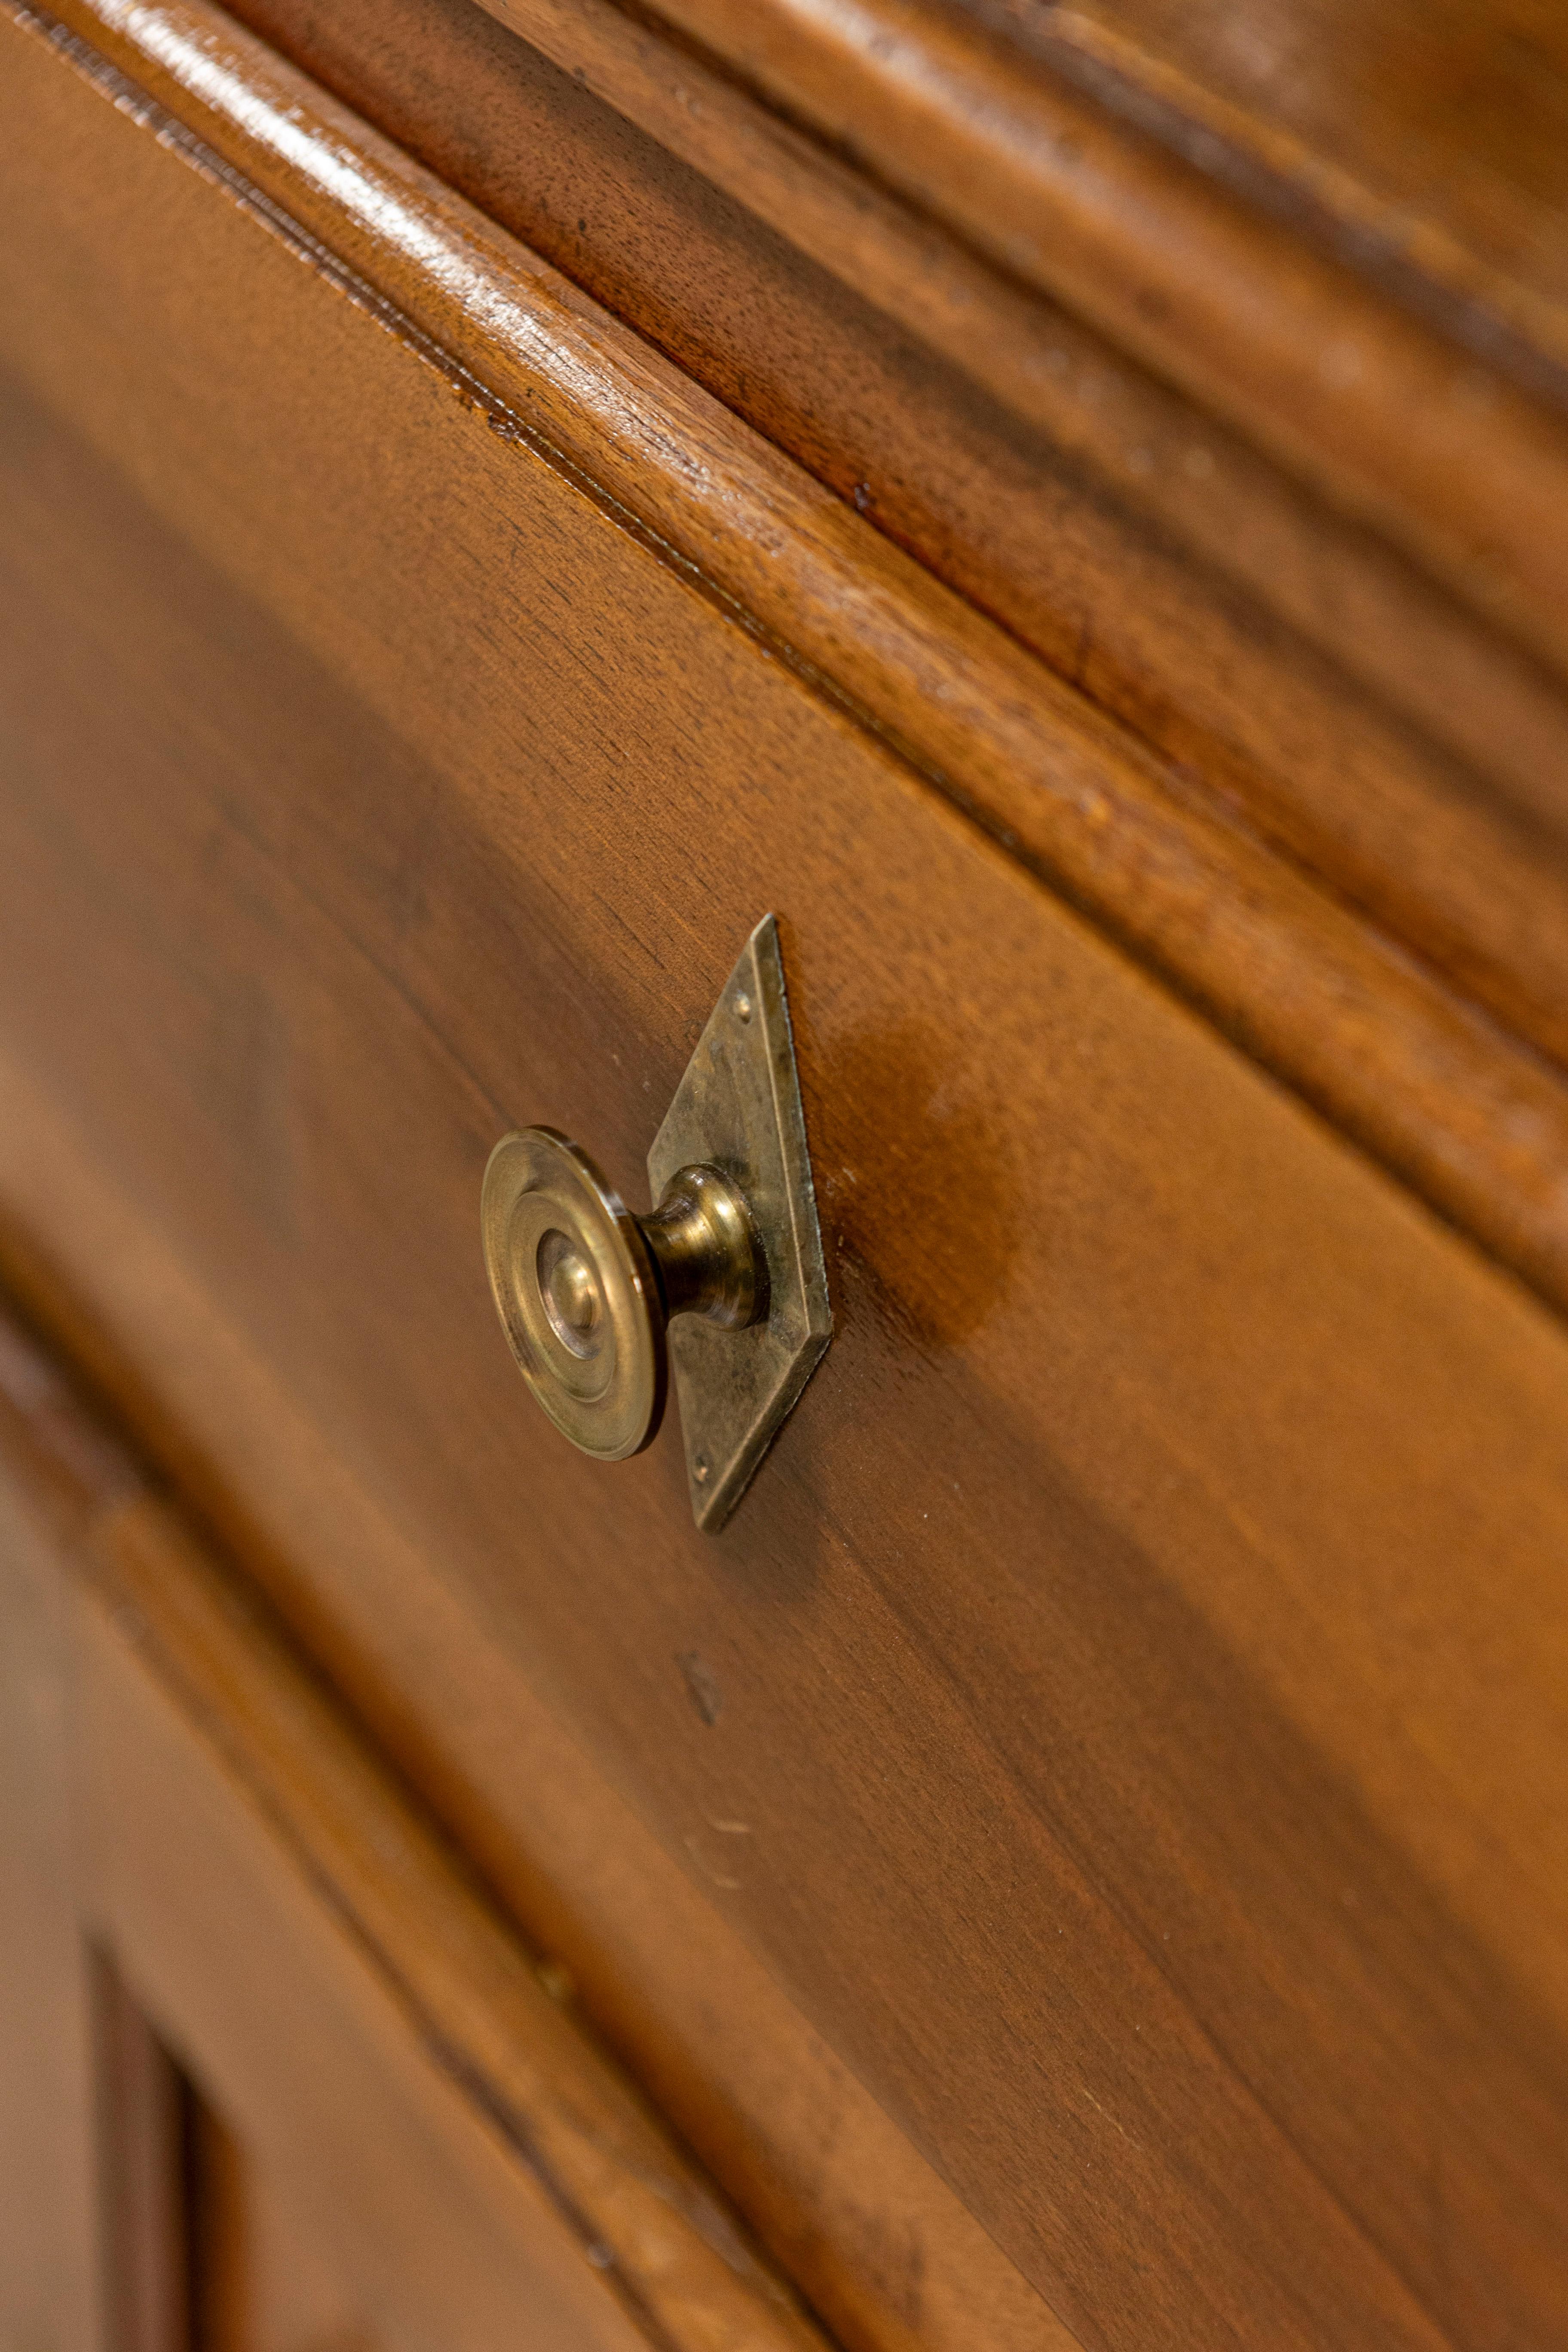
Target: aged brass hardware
[{"x": 724, "y": 1277}]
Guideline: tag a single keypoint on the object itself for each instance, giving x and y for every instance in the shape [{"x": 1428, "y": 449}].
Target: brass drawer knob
[
  {"x": 585, "y": 1291},
  {"x": 722, "y": 1280}
]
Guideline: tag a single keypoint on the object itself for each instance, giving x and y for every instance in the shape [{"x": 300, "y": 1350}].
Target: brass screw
[{"x": 743, "y": 1007}]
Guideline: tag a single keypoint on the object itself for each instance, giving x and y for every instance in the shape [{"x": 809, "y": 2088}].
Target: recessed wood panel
[{"x": 334, "y": 2100}]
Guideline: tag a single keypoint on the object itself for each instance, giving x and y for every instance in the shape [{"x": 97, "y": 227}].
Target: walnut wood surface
[
  {"x": 220, "y": 1796},
  {"x": 1360, "y": 395},
  {"x": 444, "y": 2235},
  {"x": 1290, "y": 663},
  {"x": 1140, "y": 1665},
  {"x": 1421, "y": 144},
  {"x": 1477, "y": 1124},
  {"x": 844, "y": 2196}
]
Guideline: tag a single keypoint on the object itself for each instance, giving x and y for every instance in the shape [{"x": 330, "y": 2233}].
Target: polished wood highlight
[
  {"x": 1083, "y": 1855},
  {"x": 1291, "y": 663},
  {"x": 1476, "y": 1123},
  {"x": 1089, "y": 1608}
]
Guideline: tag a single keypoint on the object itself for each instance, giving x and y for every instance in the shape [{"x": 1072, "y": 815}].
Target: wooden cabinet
[
  {"x": 496, "y": 502},
  {"x": 300, "y": 2086}
]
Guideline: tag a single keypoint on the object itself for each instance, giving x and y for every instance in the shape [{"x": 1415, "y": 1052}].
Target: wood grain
[
  {"x": 443, "y": 2232},
  {"x": 1366, "y": 401},
  {"x": 842, "y": 2194},
  {"x": 1083, "y": 1652},
  {"x": 1156, "y": 452},
  {"x": 1421, "y": 145},
  {"x": 1476, "y": 1124},
  {"x": 620, "y": 2212},
  {"x": 1292, "y": 666},
  {"x": 307, "y": 1811}
]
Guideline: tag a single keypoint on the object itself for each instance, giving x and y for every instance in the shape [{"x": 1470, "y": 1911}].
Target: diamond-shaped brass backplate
[{"x": 738, "y": 1109}]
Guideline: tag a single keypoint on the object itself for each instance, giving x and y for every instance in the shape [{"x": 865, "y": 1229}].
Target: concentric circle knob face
[{"x": 577, "y": 1292}]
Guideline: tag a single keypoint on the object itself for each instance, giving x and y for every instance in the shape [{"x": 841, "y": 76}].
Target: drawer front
[{"x": 1124, "y": 1718}]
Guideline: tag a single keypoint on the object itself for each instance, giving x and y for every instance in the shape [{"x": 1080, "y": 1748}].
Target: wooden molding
[
  {"x": 1365, "y": 401},
  {"x": 1473, "y": 1120},
  {"x": 1473, "y": 300},
  {"x": 485, "y": 2016},
  {"x": 1169, "y": 457}
]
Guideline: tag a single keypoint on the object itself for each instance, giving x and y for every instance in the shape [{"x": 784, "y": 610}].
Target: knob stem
[{"x": 704, "y": 1243}]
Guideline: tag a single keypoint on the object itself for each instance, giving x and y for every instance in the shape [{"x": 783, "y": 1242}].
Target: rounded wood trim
[{"x": 1475, "y": 1121}]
